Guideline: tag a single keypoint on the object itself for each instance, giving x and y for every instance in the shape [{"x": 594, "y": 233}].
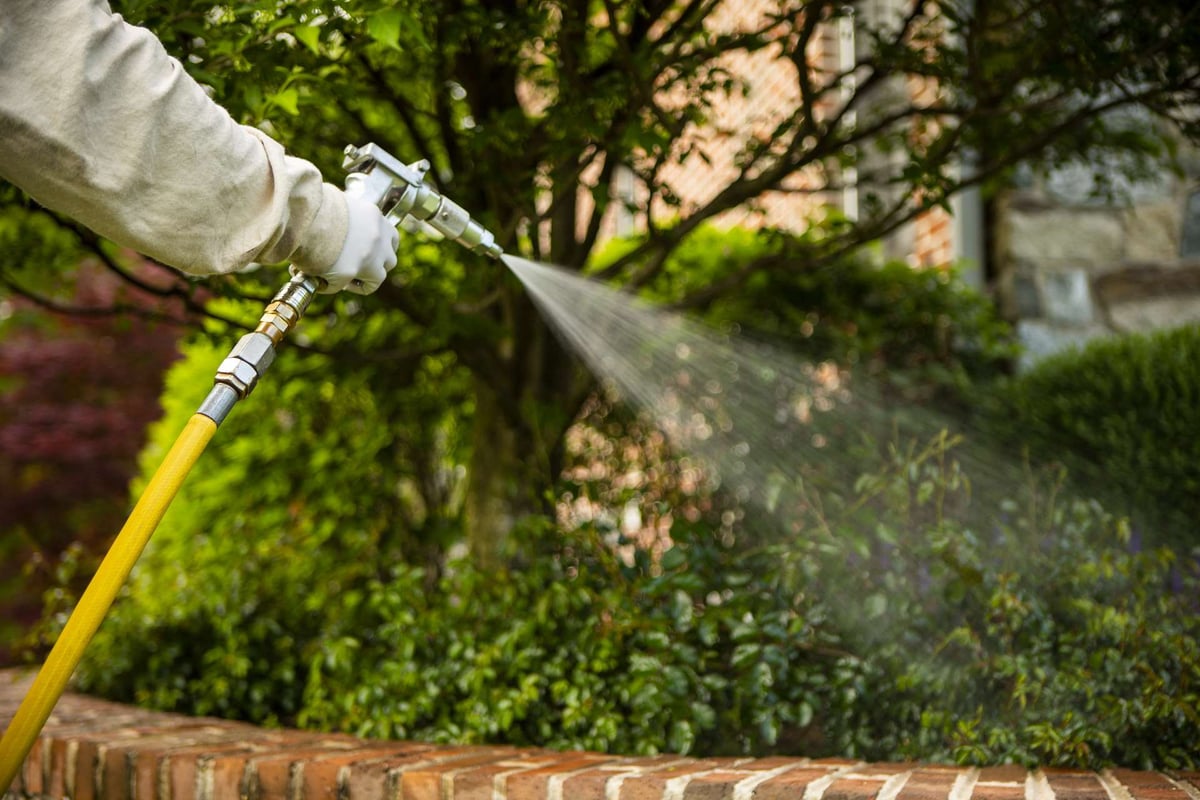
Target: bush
[
  {"x": 1043, "y": 640},
  {"x": 1122, "y": 415}
]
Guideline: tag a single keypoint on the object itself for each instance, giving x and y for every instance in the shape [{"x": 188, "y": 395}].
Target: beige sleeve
[{"x": 99, "y": 123}]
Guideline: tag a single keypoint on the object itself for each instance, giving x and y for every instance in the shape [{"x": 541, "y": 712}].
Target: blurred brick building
[
  {"x": 935, "y": 238},
  {"x": 1064, "y": 265}
]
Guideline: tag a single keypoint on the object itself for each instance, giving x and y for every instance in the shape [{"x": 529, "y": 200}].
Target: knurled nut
[{"x": 296, "y": 298}]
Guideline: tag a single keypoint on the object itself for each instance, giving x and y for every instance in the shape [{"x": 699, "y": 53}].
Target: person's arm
[{"x": 99, "y": 122}]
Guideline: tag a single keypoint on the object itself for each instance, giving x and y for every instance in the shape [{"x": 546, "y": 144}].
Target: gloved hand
[{"x": 369, "y": 252}]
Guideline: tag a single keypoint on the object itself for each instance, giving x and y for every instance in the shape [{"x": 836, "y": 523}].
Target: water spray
[{"x": 401, "y": 193}]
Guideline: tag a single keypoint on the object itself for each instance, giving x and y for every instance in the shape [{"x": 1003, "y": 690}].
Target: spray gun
[{"x": 400, "y": 192}]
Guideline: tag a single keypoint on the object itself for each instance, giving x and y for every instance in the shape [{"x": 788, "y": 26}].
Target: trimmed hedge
[{"x": 1123, "y": 415}]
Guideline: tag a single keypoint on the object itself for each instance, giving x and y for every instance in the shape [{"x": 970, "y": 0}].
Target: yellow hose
[{"x": 51, "y": 681}]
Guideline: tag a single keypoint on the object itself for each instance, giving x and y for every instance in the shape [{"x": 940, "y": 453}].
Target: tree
[{"x": 528, "y": 109}]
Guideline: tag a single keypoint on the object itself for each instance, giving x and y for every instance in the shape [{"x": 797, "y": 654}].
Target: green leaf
[
  {"x": 309, "y": 36},
  {"x": 288, "y": 100},
  {"x": 384, "y": 27}
]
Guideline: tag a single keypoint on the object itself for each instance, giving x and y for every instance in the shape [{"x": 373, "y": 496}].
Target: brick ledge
[{"x": 96, "y": 749}]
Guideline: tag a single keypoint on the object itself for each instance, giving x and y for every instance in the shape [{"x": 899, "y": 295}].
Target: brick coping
[{"x": 93, "y": 748}]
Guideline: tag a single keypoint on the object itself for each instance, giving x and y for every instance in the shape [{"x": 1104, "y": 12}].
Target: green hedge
[
  {"x": 1123, "y": 414},
  {"x": 1077, "y": 653}
]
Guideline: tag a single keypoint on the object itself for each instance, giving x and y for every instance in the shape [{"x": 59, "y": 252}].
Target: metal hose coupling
[
  {"x": 249, "y": 359},
  {"x": 400, "y": 191}
]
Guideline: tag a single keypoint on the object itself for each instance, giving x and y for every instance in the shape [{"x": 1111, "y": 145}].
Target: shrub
[
  {"x": 1122, "y": 415},
  {"x": 1042, "y": 640}
]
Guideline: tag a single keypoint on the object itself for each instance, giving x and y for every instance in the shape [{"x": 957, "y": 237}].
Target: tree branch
[{"x": 116, "y": 310}]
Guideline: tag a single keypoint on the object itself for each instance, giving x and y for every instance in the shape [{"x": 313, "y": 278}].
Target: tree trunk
[{"x": 518, "y": 434}]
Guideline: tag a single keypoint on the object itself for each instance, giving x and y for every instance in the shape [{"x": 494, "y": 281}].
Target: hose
[{"x": 52, "y": 679}]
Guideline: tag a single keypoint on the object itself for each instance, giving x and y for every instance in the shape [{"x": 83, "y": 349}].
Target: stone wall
[
  {"x": 1074, "y": 267},
  {"x": 92, "y": 749}
]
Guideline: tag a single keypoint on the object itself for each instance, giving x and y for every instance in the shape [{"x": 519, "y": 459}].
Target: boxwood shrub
[{"x": 1122, "y": 414}]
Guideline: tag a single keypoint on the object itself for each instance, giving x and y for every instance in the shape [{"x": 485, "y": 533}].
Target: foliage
[
  {"x": 308, "y": 489},
  {"x": 1042, "y": 640},
  {"x": 288, "y": 583},
  {"x": 907, "y": 617},
  {"x": 74, "y": 405},
  {"x": 1120, "y": 413},
  {"x": 1031, "y": 632}
]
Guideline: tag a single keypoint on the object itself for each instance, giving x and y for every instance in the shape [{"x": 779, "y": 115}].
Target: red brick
[
  {"x": 718, "y": 785},
  {"x": 590, "y": 784},
  {"x": 883, "y": 769},
  {"x": 791, "y": 784},
  {"x": 1006, "y": 774},
  {"x": 381, "y": 777},
  {"x": 471, "y": 783},
  {"x": 327, "y": 776},
  {"x": 998, "y": 792},
  {"x": 31, "y": 778},
  {"x": 270, "y": 769},
  {"x": 225, "y": 775},
  {"x": 929, "y": 784},
  {"x": 1149, "y": 785},
  {"x": 1075, "y": 785},
  {"x": 534, "y": 784},
  {"x": 62, "y": 768},
  {"x": 181, "y": 768},
  {"x": 136, "y": 762},
  {"x": 651, "y": 785},
  {"x": 1188, "y": 777},
  {"x": 775, "y": 762},
  {"x": 423, "y": 780},
  {"x": 369, "y": 779},
  {"x": 853, "y": 789},
  {"x": 118, "y": 778},
  {"x": 90, "y": 761}
]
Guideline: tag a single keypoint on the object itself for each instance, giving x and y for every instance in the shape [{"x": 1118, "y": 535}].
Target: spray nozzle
[{"x": 401, "y": 193}]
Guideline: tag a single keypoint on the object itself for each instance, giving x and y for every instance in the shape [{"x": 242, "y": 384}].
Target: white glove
[{"x": 369, "y": 252}]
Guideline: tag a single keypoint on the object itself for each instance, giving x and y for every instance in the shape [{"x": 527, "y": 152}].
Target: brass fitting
[{"x": 277, "y": 320}]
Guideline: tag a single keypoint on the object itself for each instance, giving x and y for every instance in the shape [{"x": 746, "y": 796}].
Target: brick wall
[
  {"x": 772, "y": 94},
  {"x": 95, "y": 749}
]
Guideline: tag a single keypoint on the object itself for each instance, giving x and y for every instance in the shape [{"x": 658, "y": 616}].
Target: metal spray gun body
[{"x": 400, "y": 192}]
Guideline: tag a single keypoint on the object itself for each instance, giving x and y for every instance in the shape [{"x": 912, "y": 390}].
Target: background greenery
[
  {"x": 1120, "y": 416},
  {"x": 328, "y": 564}
]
